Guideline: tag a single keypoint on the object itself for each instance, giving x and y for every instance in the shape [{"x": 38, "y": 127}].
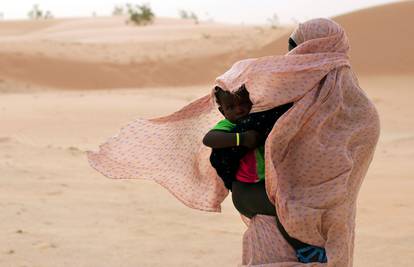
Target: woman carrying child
[{"x": 316, "y": 154}]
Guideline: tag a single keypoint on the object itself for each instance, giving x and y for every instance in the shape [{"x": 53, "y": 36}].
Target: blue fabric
[{"x": 311, "y": 254}]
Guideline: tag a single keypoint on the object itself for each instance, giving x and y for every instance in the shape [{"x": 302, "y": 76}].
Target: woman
[{"x": 316, "y": 155}]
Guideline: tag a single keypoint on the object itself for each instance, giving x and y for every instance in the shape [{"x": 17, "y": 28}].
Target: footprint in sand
[
  {"x": 5, "y": 139},
  {"x": 44, "y": 245},
  {"x": 75, "y": 151},
  {"x": 10, "y": 252}
]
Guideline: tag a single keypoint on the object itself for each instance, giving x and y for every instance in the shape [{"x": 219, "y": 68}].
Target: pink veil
[{"x": 316, "y": 155}]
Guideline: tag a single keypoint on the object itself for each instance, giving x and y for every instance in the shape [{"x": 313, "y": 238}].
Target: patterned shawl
[{"x": 316, "y": 155}]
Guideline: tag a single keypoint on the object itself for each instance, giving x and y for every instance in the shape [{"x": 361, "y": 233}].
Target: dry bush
[
  {"x": 188, "y": 15},
  {"x": 36, "y": 13},
  {"x": 140, "y": 14}
]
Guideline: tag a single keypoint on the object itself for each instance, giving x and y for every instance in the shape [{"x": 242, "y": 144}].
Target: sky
[{"x": 228, "y": 11}]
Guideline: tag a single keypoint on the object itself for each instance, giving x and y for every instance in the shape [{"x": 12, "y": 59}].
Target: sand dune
[
  {"x": 381, "y": 38},
  {"x": 106, "y": 53},
  {"x": 57, "y": 211},
  {"x": 22, "y": 27},
  {"x": 75, "y": 74}
]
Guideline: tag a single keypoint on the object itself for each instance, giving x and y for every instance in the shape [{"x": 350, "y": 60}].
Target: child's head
[{"x": 233, "y": 106}]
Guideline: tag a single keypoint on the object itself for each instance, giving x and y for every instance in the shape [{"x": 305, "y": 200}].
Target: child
[
  {"x": 238, "y": 140},
  {"x": 241, "y": 155},
  {"x": 238, "y": 154}
]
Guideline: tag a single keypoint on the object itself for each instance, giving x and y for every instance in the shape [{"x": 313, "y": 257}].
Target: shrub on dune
[
  {"x": 139, "y": 14},
  {"x": 118, "y": 11},
  {"x": 188, "y": 15},
  {"x": 36, "y": 13}
]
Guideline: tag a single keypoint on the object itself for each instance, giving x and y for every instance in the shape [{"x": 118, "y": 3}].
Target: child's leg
[{"x": 251, "y": 199}]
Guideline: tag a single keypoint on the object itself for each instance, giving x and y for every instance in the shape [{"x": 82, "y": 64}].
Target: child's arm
[{"x": 220, "y": 139}]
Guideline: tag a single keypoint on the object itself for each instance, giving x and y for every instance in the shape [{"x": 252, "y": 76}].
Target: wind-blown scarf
[{"x": 316, "y": 155}]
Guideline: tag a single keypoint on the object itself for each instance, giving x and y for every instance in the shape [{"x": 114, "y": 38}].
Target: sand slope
[
  {"x": 381, "y": 38},
  {"x": 107, "y": 53},
  {"x": 57, "y": 211}
]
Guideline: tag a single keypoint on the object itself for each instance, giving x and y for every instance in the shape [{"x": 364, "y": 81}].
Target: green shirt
[
  {"x": 255, "y": 157},
  {"x": 224, "y": 125}
]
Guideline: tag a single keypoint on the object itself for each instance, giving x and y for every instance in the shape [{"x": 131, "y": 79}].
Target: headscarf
[{"x": 316, "y": 155}]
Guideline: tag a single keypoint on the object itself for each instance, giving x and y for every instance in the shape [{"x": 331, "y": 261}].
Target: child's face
[{"x": 235, "y": 107}]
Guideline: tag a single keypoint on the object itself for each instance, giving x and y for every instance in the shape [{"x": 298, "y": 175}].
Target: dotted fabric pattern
[{"x": 316, "y": 155}]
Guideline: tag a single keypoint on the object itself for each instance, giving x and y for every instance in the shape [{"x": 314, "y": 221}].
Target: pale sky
[{"x": 230, "y": 11}]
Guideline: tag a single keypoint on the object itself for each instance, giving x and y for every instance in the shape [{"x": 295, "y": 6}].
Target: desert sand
[{"x": 66, "y": 85}]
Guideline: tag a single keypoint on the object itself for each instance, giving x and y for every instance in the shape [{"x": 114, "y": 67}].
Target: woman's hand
[{"x": 250, "y": 139}]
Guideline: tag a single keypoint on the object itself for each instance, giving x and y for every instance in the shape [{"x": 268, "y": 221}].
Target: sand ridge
[{"x": 91, "y": 53}]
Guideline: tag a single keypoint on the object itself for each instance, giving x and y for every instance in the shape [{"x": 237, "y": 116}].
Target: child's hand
[{"x": 250, "y": 139}]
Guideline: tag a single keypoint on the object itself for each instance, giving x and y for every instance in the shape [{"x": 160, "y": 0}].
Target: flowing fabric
[{"x": 316, "y": 155}]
